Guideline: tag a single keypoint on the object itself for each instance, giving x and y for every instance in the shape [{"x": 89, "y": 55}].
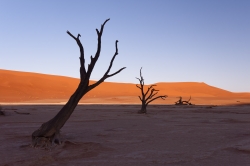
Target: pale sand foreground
[{"x": 117, "y": 135}]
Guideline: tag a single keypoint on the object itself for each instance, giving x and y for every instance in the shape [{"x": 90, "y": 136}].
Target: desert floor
[{"x": 116, "y": 135}]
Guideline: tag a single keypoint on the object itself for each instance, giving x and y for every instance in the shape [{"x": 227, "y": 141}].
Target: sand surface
[
  {"x": 111, "y": 135},
  {"x": 25, "y": 87}
]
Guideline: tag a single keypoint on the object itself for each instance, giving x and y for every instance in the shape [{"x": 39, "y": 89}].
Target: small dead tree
[
  {"x": 183, "y": 102},
  {"x": 48, "y": 133},
  {"x": 148, "y": 96},
  {"x": 1, "y": 112}
]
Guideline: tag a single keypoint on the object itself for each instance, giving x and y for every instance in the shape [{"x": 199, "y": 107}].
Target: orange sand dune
[{"x": 18, "y": 86}]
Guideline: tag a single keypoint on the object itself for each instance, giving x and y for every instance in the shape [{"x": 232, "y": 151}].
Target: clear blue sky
[{"x": 173, "y": 40}]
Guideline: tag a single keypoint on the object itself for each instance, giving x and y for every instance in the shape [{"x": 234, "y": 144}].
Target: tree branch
[
  {"x": 106, "y": 75},
  {"x": 187, "y": 102},
  {"x": 140, "y": 73},
  {"x": 138, "y": 79},
  {"x": 113, "y": 58},
  {"x": 162, "y": 97},
  {"x": 138, "y": 86},
  {"x": 149, "y": 89},
  {"x": 98, "y": 51},
  {"x": 82, "y": 60},
  {"x": 110, "y": 75},
  {"x": 153, "y": 95}
]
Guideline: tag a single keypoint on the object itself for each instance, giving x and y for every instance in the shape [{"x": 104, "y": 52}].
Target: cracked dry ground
[{"x": 117, "y": 135}]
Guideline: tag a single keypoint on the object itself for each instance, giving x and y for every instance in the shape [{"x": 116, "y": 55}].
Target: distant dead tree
[
  {"x": 183, "y": 102},
  {"x": 148, "y": 96},
  {"x": 1, "y": 112},
  {"x": 48, "y": 133}
]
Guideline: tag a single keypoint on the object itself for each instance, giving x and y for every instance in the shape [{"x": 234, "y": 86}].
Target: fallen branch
[{"x": 184, "y": 102}]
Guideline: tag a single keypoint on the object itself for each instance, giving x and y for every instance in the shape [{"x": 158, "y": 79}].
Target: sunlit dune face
[{"x": 32, "y": 87}]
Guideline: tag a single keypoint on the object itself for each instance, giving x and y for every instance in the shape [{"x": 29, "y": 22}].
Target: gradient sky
[{"x": 173, "y": 40}]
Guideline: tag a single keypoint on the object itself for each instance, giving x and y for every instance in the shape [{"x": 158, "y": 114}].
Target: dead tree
[
  {"x": 183, "y": 102},
  {"x": 148, "y": 96},
  {"x": 1, "y": 112},
  {"x": 48, "y": 133}
]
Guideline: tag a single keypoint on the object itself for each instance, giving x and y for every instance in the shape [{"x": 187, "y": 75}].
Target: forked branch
[
  {"x": 106, "y": 74},
  {"x": 86, "y": 75},
  {"x": 98, "y": 51}
]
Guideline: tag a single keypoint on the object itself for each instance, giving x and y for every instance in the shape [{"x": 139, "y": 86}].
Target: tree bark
[
  {"x": 148, "y": 96},
  {"x": 143, "y": 109},
  {"x": 48, "y": 133}
]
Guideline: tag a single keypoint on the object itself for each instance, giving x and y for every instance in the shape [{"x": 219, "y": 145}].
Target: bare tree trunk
[
  {"x": 143, "y": 109},
  {"x": 48, "y": 133},
  {"x": 144, "y": 98}
]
